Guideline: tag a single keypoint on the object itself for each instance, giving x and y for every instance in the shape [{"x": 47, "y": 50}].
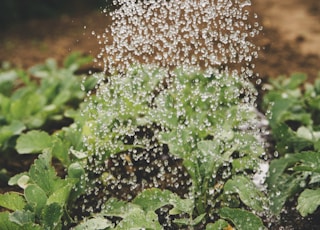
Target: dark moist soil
[{"x": 290, "y": 42}]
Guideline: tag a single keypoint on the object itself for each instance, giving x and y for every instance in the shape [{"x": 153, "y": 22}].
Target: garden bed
[{"x": 147, "y": 142}]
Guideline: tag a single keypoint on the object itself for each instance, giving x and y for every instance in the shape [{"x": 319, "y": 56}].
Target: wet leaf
[
  {"x": 75, "y": 170},
  {"x": 96, "y": 223},
  {"x": 277, "y": 168},
  {"x": 138, "y": 219},
  {"x": 248, "y": 192},
  {"x": 51, "y": 216},
  {"x": 115, "y": 207},
  {"x": 12, "y": 201},
  {"x": 190, "y": 221},
  {"x": 211, "y": 157},
  {"x": 242, "y": 219},
  {"x": 61, "y": 195},
  {"x": 287, "y": 186},
  {"x": 307, "y": 161},
  {"x": 153, "y": 199},
  {"x": 218, "y": 225},
  {"x": 308, "y": 201},
  {"x": 22, "y": 217}
]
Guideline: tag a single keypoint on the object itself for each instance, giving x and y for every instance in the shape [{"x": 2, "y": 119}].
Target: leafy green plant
[
  {"x": 200, "y": 118},
  {"x": 43, "y": 203},
  {"x": 34, "y": 99},
  {"x": 294, "y": 108},
  {"x": 34, "y": 106}
]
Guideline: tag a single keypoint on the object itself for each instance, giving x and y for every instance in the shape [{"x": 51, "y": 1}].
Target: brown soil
[{"x": 291, "y": 38}]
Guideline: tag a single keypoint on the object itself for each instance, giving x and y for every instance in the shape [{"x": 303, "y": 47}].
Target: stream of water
[{"x": 207, "y": 36}]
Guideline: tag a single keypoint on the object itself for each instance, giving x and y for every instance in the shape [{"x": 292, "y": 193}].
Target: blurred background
[
  {"x": 12, "y": 11},
  {"x": 34, "y": 30}
]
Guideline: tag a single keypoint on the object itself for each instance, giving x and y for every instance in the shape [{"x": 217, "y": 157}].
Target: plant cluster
[
  {"x": 199, "y": 118},
  {"x": 185, "y": 145},
  {"x": 294, "y": 107},
  {"x": 34, "y": 108}
]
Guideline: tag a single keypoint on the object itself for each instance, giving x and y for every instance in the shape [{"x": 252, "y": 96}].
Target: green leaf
[
  {"x": 244, "y": 163},
  {"x": 51, "y": 216},
  {"x": 75, "y": 170},
  {"x": 7, "y": 79},
  {"x": 114, "y": 207},
  {"x": 152, "y": 199},
  {"x": 140, "y": 213},
  {"x": 22, "y": 217},
  {"x": 138, "y": 219},
  {"x": 248, "y": 192},
  {"x": 20, "y": 179},
  {"x": 36, "y": 197},
  {"x": 190, "y": 222},
  {"x": 314, "y": 178},
  {"x": 210, "y": 156},
  {"x": 75, "y": 60},
  {"x": 304, "y": 132},
  {"x": 7, "y": 131},
  {"x": 43, "y": 174},
  {"x": 242, "y": 220},
  {"x": 33, "y": 142},
  {"x": 279, "y": 107},
  {"x": 96, "y": 223},
  {"x": 277, "y": 168},
  {"x": 60, "y": 196},
  {"x": 62, "y": 98},
  {"x": 283, "y": 185},
  {"x": 307, "y": 161},
  {"x": 287, "y": 186},
  {"x": 218, "y": 225},
  {"x": 27, "y": 107},
  {"x": 308, "y": 201},
  {"x": 6, "y": 224},
  {"x": 12, "y": 201},
  {"x": 60, "y": 150},
  {"x": 295, "y": 80},
  {"x": 181, "y": 205}
]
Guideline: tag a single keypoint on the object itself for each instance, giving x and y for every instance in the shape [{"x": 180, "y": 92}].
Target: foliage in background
[
  {"x": 294, "y": 107},
  {"x": 41, "y": 98}
]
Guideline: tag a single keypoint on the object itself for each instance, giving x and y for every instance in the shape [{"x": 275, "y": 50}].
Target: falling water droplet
[{"x": 128, "y": 151}]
